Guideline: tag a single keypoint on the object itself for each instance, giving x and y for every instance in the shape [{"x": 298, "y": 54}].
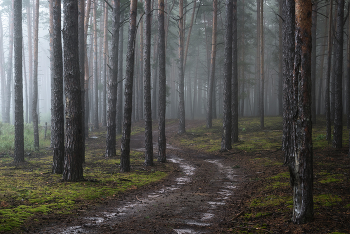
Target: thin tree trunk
[
  {"x": 9, "y": 71},
  {"x": 155, "y": 80},
  {"x": 130, "y": 59},
  {"x": 189, "y": 33},
  {"x": 120, "y": 78},
  {"x": 182, "y": 124},
  {"x": 86, "y": 70},
  {"x": 19, "y": 125},
  {"x": 73, "y": 160},
  {"x": 328, "y": 75},
  {"x": 81, "y": 37},
  {"x": 30, "y": 59},
  {"x": 35, "y": 78},
  {"x": 57, "y": 110},
  {"x": 262, "y": 78},
  {"x": 234, "y": 107},
  {"x": 347, "y": 83},
  {"x": 280, "y": 52},
  {"x": 104, "y": 75},
  {"x": 162, "y": 84},
  {"x": 227, "y": 113},
  {"x": 338, "y": 72},
  {"x": 313, "y": 61},
  {"x": 95, "y": 68},
  {"x": 147, "y": 85},
  {"x": 113, "y": 84},
  {"x": 2, "y": 72}
]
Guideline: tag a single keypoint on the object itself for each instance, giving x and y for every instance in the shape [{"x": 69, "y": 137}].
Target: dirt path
[{"x": 193, "y": 200}]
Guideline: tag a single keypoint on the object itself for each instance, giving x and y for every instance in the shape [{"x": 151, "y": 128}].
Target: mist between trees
[{"x": 125, "y": 61}]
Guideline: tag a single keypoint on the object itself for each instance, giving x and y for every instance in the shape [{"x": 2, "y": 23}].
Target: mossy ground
[
  {"x": 267, "y": 203},
  {"x": 29, "y": 191}
]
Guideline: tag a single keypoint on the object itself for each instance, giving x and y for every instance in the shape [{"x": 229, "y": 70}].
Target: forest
[{"x": 98, "y": 96}]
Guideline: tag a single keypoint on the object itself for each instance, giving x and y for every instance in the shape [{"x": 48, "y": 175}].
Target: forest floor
[{"x": 244, "y": 190}]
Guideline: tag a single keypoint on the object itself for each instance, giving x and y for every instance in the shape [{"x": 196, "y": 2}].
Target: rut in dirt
[{"x": 194, "y": 200}]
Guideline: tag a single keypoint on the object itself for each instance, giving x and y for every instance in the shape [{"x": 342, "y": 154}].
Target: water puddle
[
  {"x": 75, "y": 229},
  {"x": 207, "y": 216},
  {"x": 184, "y": 231}
]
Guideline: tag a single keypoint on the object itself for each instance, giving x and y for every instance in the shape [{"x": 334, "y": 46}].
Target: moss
[
  {"x": 326, "y": 200},
  {"x": 269, "y": 201},
  {"x": 284, "y": 175}
]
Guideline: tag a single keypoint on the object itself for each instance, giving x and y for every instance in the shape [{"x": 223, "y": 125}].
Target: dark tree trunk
[
  {"x": 81, "y": 37},
  {"x": 348, "y": 82},
  {"x": 130, "y": 59},
  {"x": 262, "y": 73},
  {"x": 147, "y": 85},
  {"x": 155, "y": 80},
  {"x": 57, "y": 110},
  {"x": 86, "y": 71},
  {"x": 95, "y": 68},
  {"x": 113, "y": 84},
  {"x": 227, "y": 114},
  {"x": 73, "y": 160},
  {"x": 162, "y": 84},
  {"x": 280, "y": 54},
  {"x": 120, "y": 79},
  {"x": 104, "y": 72},
  {"x": 182, "y": 124},
  {"x": 30, "y": 60},
  {"x": 19, "y": 125},
  {"x": 328, "y": 75},
  {"x": 234, "y": 103},
  {"x": 302, "y": 169},
  {"x": 212, "y": 67},
  {"x": 288, "y": 66},
  {"x": 313, "y": 61},
  {"x": 338, "y": 72},
  {"x": 35, "y": 79}
]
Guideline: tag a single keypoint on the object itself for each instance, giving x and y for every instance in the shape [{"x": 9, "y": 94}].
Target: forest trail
[{"x": 195, "y": 199}]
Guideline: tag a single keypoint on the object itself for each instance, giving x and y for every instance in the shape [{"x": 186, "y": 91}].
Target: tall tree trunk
[
  {"x": 347, "y": 83},
  {"x": 227, "y": 117},
  {"x": 234, "y": 107},
  {"x": 73, "y": 163},
  {"x": 30, "y": 60},
  {"x": 189, "y": 33},
  {"x": 113, "y": 84},
  {"x": 19, "y": 125},
  {"x": 313, "y": 61},
  {"x": 257, "y": 60},
  {"x": 120, "y": 78},
  {"x": 2, "y": 71},
  {"x": 262, "y": 77},
  {"x": 280, "y": 52},
  {"x": 328, "y": 76},
  {"x": 243, "y": 67},
  {"x": 288, "y": 66},
  {"x": 86, "y": 70},
  {"x": 212, "y": 66},
  {"x": 162, "y": 84},
  {"x": 302, "y": 169},
  {"x": 147, "y": 85},
  {"x": 95, "y": 68},
  {"x": 182, "y": 124},
  {"x": 9, "y": 69},
  {"x": 35, "y": 78},
  {"x": 105, "y": 55},
  {"x": 130, "y": 59},
  {"x": 81, "y": 37},
  {"x": 338, "y": 71},
  {"x": 155, "y": 80},
  {"x": 141, "y": 77},
  {"x": 57, "y": 110}
]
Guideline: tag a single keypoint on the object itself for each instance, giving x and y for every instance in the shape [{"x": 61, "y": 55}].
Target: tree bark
[
  {"x": 19, "y": 125},
  {"x": 147, "y": 85},
  {"x": 280, "y": 55},
  {"x": 73, "y": 163},
  {"x": 234, "y": 103},
  {"x": 302, "y": 169},
  {"x": 86, "y": 70},
  {"x": 182, "y": 124},
  {"x": 130, "y": 59},
  {"x": 162, "y": 84},
  {"x": 81, "y": 38},
  {"x": 227, "y": 114},
  {"x": 338, "y": 71},
  {"x": 35, "y": 79},
  {"x": 212, "y": 67},
  {"x": 113, "y": 85},
  {"x": 95, "y": 68},
  {"x": 57, "y": 110},
  {"x": 104, "y": 72},
  {"x": 120, "y": 79},
  {"x": 262, "y": 73}
]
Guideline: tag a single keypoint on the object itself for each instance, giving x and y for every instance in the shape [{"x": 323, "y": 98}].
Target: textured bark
[
  {"x": 338, "y": 72},
  {"x": 189, "y": 33},
  {"x": 104, "y": 72},
  {"x": 257, "y": 60},
  {"x": 302, "y": 169},
  {"x": 81, "y": 38},
  {"x": 73, "y": 163},
  {"x": 162, "y": 84},
  {"x": 120, "y": 80},
  {"x": 242, "y": 78},
  {"x": 280, "y": 63},
  {"x": 19, "y": 125},
  {"x": 35, "y": 79},
  {"x": 130, "y": 59},
  {"x": 95, "y": 70},
  {"x": 313, "y": 60},
  {"x": 288, "y": 9},
  {"x": 155, "y": 102},
  {"x": 348, "y": 83},
  {"x": 147, "y": 85},
  {"x": 57, "y": 110},
  {"x": 182, "y": 124},
  {"x": 86, "y": 70},
  {"x": 262, "y": 73},
  {"x": 212, "y": 67},
  {"x": 234, "y": 107},
  {"x": 328, "y": 76},
  {"x": 113, "y": 85},
  {"x": 227, "y": 114}
]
